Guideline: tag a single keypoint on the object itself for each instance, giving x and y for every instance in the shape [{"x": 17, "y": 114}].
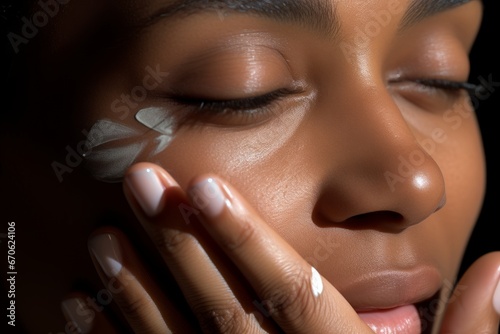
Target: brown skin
[{"x": 348, "y": 126}]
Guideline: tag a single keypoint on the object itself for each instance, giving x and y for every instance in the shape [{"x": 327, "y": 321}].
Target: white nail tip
[
  {"x": 75, "y": 311},
  {"x": 209, "y": 198},
  {"x": 107, "y": 252},
  {"x": 316, "y": 283},
  {"x": 496, "y": 299},
  {"x": 148, "y": 190}
]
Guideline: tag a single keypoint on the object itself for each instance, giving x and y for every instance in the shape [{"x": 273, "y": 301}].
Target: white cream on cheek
[
  {"x": 161, "y": 121},
  {"x": 112, "y": 147}
]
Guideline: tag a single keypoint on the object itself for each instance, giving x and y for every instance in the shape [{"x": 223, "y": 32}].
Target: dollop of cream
[
  {"x": 111, "y": 148},
  {"x": 316, "y": 283},
  {"x": 161, "y": 121}
]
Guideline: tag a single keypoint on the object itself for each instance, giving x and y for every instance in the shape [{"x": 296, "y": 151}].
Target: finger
[
  {"x": 83, "y": 316},
  {"x": 293, "y": 292},
  {"x": 162, "y": 208},
  {"x": 128, "y": 283},
  {"x": 474, "y": 306}
]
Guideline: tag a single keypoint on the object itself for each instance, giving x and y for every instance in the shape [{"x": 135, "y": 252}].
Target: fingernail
[
  {"x": 207, "y": 196},
  {"x": 147, "y": 189},
  {"x": 77, "y": 313},
  {"x": 107, "y": 252},
  {"x": 496, "y": 299}
]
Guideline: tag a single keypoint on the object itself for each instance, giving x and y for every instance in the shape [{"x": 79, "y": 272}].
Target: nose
[{"x": 379, "y": 177}]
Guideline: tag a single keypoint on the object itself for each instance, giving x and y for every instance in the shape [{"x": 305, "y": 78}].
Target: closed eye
[
  {"x": 435, "y": 95},
  {"x": 248, "y": 111},
  {"x": 448, "y": 85},
  {"x": 243, "y": 105}
]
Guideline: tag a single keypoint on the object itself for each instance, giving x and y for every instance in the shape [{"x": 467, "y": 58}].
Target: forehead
[
  {"x": 84, "y": 20},
  {"x": 326, "y": 16}
]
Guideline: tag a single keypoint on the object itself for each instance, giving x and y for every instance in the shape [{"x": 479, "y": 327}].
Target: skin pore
[{"x": 338, "y": 122}]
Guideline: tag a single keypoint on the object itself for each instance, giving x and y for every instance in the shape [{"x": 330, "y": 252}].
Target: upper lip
[{"x": 391, "y": 288}]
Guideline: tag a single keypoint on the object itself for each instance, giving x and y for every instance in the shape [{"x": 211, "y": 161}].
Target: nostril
[{"x": 382, "y": 219}]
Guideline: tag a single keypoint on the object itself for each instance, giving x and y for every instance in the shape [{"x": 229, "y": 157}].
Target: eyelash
[
  {"x": 449, "y": 86},
  {"x": 245, "y": 105},
  {"x": 259, "y": 104}
]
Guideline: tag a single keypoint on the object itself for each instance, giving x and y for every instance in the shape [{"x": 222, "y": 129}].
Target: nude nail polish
[
  {"x": 107, "y": 252},
  {"x": 148, "y": 190},
  {"x": 208, "y": 197},
  {"x": 76, "y": 312}
]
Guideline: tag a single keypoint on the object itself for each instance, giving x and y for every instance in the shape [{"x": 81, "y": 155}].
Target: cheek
[
  {"x": 461, "y": 159},
  {"x": 466, "y": 173},
  {"x": 252, "y": 159}
]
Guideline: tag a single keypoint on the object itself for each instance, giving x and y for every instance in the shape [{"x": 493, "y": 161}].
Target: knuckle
[
  {"x": 172, "y": 242},
  {"x": 292, "y": 300},
  {"x": 487, "y": 327},
  {"x": 246, "y": 232},
  {"x": 131, "y": 308},
  {"x": 223, "y": 320}
]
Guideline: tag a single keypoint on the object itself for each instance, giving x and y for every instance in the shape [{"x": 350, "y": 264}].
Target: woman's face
[{"x": 335, "y": 119}]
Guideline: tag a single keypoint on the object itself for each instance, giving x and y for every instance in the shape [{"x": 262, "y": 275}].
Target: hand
[
  {"x": 474, "y": 306},
  {"x": 236, "y": 274}
]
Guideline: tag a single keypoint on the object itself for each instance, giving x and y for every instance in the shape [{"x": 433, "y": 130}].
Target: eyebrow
[
  {"x": 421, "y": 9},
  {"x": 318, "y": 15}
]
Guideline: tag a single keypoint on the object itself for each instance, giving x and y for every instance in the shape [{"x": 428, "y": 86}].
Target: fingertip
[
  {"x": 84, "y": 316},
  {"x": 79, "y": 318},
  {"x": 495, "y": 258},
  {"x": 476, "y": 306},
  {"x": 146, "y": 184},
  {"x": 141, "y": 166},
  {"x": 496, "y": 299},
  {"x": 106, "y": 230}
]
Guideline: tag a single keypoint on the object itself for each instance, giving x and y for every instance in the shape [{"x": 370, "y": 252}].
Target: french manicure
[
  {"x": 496, "y": 299},
  {"x": 107, "y": 252},
  {"x": 208, "y": 197},
  {"x": 147, "y": 189},
  {"x": 76, "y": 312}
]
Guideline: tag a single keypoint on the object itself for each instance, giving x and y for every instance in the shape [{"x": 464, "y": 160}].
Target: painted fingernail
[
  {"x": 76, "y": 312},
  {"x": 147, "y": 189},
  {"x": 208, "y": 197},
  {"x": 107, "y": 252},
  {"x": 496, "y": 299}
]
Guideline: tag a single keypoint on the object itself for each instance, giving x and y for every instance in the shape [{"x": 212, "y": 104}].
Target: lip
[
  {"x": 390, "y": 289},
  {"x": 401, "y": 320},
  {"x": 388, "y": 300}
]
